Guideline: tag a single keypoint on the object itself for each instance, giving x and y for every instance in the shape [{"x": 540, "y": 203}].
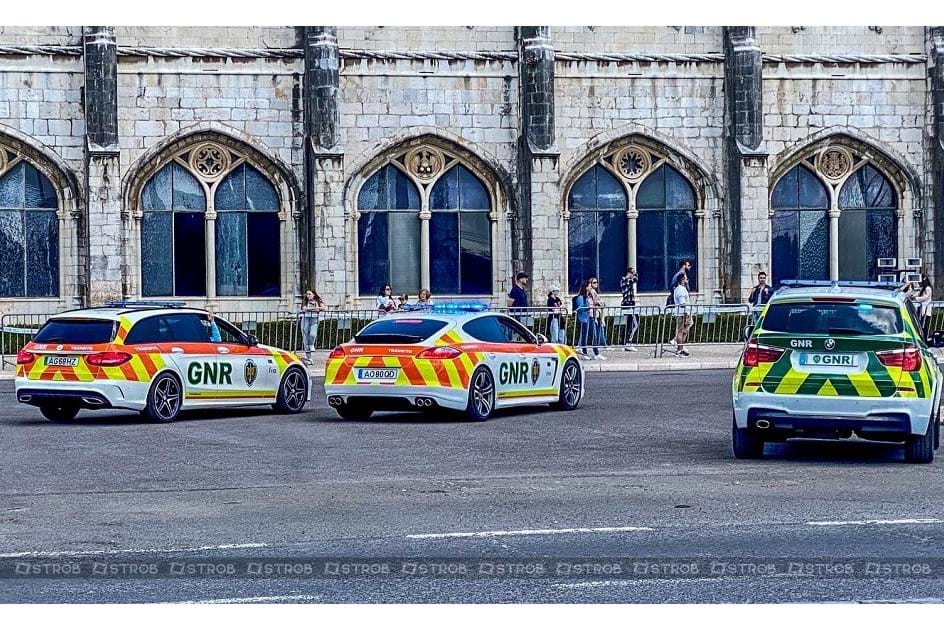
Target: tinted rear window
[
  {"x": 832, "y": 318},
  {"x": 399, "y": 330},
  {"x": 76, "y": 331}
]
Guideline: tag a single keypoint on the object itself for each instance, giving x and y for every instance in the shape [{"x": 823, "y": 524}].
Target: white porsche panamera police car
[{"x": 453, "y": 357}]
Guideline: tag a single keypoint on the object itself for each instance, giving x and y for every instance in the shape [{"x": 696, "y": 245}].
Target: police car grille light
[
  {"x": 908, "y": 359},
  {"x": 444, "y": 351},
  {"x": 756, "y": 354},
  {"x": 108, "y": 359},
  {"x": 24, "y": 357}
]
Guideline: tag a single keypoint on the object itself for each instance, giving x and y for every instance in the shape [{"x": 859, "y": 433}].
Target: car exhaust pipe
[
  {"x": 91, "y": 401},
  {"x": 762, "y": 424},
  {"x": 424, "y": 402},
  {"x": 335, "y": 401},
  {"x": 26, "y": 398}
]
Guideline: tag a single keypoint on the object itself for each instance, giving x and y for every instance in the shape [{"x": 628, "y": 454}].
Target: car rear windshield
[
  {"x": 832, "y": 318},
  {"x": 76, "y": 331},
  {"x": 399, "y": 330}
]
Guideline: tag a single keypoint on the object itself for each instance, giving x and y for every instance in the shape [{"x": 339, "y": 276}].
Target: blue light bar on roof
[{"x": 457, "y": 307}]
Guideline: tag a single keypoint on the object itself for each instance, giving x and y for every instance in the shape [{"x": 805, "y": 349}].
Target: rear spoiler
[{"x": 892, "y": 286}]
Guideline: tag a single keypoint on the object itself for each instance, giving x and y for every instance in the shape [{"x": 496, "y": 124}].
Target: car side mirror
[
  {"x": 251, "y": 341},
  {"x": 541, "y": 339},
  {"x": 748, "y": 330}
]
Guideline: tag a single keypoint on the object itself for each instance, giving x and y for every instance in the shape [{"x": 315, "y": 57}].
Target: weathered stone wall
[
  {"x": 661, "y": 39},
  {"x": 463, "y": 38}
]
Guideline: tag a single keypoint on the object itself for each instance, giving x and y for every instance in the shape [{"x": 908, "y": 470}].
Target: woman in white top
[
  {"x": 924, "y": 299},
  {"x": 385, "y": 302},
  {"x": 683, "y": 320}
]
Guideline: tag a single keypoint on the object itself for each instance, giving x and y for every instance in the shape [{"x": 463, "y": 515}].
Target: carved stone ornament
[
  {"x": 425, "y": 163},
  {"x": 3, "y": 160},
  {"x": 633, "y": 162},
  {"x": 210, "y": 161},
  {"x": 835, "y": 163}
]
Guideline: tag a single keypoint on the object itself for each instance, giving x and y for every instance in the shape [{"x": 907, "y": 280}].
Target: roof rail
[
  {"x": 839, "y": 284},
  {"x": 143, "y": 304}
]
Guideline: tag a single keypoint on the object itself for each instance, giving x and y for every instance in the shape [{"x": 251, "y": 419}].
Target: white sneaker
[
  {"x": 630, "y": 348},
  {"x": 585, "y": 356},
  {"x": 601, "y": 357}
]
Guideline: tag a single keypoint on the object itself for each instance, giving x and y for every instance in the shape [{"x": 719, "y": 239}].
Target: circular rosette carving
[
  {"x": 835, "y": 162},
  {"x": 425, "y": 163},
  {"x": 633, "y": 162},
  {"x": 210, "y": 161}
]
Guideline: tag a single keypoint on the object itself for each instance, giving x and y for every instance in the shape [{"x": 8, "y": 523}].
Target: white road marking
[
  {"x": 125, "y": 551},
  {"x": 599, "y": 529},
  {"x": 253, "y": 599},
  {"x": 579, "y": 585},
  {"x": 875, "y": 522}
]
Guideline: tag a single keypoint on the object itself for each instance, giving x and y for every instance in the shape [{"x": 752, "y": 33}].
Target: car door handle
[
  {"x": 222, "y": 350},
  {"x": 177, "y": 350}
]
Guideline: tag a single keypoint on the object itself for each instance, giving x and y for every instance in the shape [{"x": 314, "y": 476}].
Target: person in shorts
[{"x": 683, "y": 320}]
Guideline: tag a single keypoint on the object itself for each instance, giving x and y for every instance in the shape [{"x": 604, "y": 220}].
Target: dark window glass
[
  {"x": 75, "y": 331},
  {"x": 157, "y": 254},
  {"x": 513, "y": 331},
  {"x": 597, "y": 230},
  {"x": 475, "y": 260},
  {"x": 398, "y": 329},
  {"x": 189, "y": 254},
  {"x": 666, "y": 232},
  {"x": 188, "y": 328},
  {"x": 188, "y": 193},
  {"x": 444, "y": 242},
  {"x": 248, "y": 252},
  {"x": 388, "y": 233},
  {"x": 868, "y": 224},
  {"x": 800, "y": 227},
  {"x": 832, "y": 318},
  {"x": 150, "y": 330},
  {"x": 29, "y": 234},
  {"x": 229, "y": 333},
  {"x": 486, "y": 330},
  {"x": 372, "y": 252}
]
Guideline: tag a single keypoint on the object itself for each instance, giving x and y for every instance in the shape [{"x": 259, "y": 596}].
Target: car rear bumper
[
  {"x": 380, "y": 397},
  {"x": 90, "y": 395},
  {"x": 792, "y": 413}
]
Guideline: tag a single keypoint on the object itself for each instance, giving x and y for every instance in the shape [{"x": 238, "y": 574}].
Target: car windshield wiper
[{"x": 846, "y": 331}]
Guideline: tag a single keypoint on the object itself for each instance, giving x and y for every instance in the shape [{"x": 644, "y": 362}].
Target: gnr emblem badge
[
  {"x": 535, "y": 371},
  {"x": 251, "y": 371}
]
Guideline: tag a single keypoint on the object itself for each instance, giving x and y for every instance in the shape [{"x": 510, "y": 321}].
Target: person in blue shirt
[
  {"x": 585, "y": 320},
  {"x": 517, "y": 297},
  {"x": 215, "y": 336}
]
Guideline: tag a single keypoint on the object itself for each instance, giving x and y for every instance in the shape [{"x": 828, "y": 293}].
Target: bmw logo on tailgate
[
  {"x": 250, "y": 372},
  {"x": 829, "y": 344}
]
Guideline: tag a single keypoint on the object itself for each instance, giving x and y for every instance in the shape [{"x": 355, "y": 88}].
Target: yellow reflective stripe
[
  {"x": 828, "y": 390},
  {"x": 468, "y": 363},
  {"x": 864, "y": 384},
  {"x": 428, "y": 372},
  {"x": 331, "y": 370},
  {"x": 530, "y": 393},
  {"x": 139, "y": 370},
  {"x": 229, "y": 394},
  {"x": 454, "y": 381}
]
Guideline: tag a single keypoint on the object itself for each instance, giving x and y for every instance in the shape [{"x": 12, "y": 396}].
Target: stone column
[
  {"x": 537, "y": 235},
  {"x": 745, "y": 244},
  {"x": 933, "y": 211},
  {"x": 834, "y": 213},
  {"x": 632, "y": 216},
  {"x": 107, "y": 222},
  {"x": 323, "y": 230}
]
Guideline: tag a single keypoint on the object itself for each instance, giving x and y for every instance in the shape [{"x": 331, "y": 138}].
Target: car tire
[
  {"x": 920, "y": 449},
  {"x": 481, "y": 403},
  {"x": 571, "y": 387},
  {"x": 745, "y": 444},
  {"x": 59, "y": 412},
  {"x": 164, "y": 399},
  {"x": 293, "y": 391},
  {"x": 353, "y": 411}
]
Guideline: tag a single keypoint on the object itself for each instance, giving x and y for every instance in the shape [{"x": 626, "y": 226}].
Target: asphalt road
[{"x": 641, "y": 474}]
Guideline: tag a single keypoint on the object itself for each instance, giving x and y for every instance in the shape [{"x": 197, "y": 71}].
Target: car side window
[
  {"x": 485, "y": 329},
  {"x": 187, "y": 328},
  {"x": 150, "y": 330},
  {"x": 514, "y": 332},
  {"x": 229, "y": 333}
]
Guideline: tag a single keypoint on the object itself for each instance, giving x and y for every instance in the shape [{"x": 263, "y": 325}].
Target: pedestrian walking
[
  {"x": 597, "y": 319},
  {"x": 683, "y": 320},
  {"x": 385, "y": 301},
  {"x": 312, "y": 304},
  {"x": 684, "y": 267},
  {"x": 583, "y": 312},
  {"x": 629, "y": 311},
  {"x": 518, "y": 297},
  {"x": 556, "y": 327},
  {"x": 924, "y": 299}
]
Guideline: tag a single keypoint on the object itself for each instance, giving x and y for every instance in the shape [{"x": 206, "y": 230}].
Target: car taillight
[
  {"x": 756, "y": 354},
  {"x": 24, "y": 357},
  {"x": 108, "y": 359},
  {"x": 908, "y": 359},
  {"x": 337, "y": 352},
  {"x": 444, "y": 351}
]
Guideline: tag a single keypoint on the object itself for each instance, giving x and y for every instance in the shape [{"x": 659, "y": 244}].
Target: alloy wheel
[
  {"x": 167, "y": 398},
  {"x": 293, "y": 390},
  {"x": 571, "y": 384},
  {"x": 483, "y": 392}
]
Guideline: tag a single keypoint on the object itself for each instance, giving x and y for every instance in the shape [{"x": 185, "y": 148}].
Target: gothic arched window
[
  {"x": 29, "y": 231},
  {"x": 460, "y": 235},
  {"x": 596, "y": 230},
  {"x": 800, "y": 230},
  {"x": 666, "y": 232},
  {"x": 868, "y": 224}
]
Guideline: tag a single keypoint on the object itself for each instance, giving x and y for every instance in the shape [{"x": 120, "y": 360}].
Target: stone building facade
[{"x": 238, "y": 166}]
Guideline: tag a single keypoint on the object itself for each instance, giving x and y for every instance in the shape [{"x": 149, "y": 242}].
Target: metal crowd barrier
[{"x": 605, "y": 328}]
